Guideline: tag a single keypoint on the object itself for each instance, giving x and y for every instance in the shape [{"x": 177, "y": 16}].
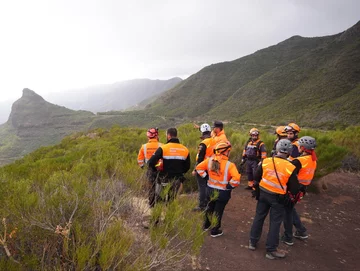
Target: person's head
[
  {"x": 152, "y": 133},
  {"x": 292, "y": 130},
  {"x": 284, "y": 148},
  {"x": 307, "y": 144},
  {"x": 205, "y": 130},
  {"x": 171, "y": 133},
  {"x": 222, "y": 148},
  {"x": 218, "y": 126},
  {"x": 280, "y": 132},
  {"x": 254, "y": 134}
]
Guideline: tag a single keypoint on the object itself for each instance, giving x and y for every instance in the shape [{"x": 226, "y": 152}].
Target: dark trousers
[
  {"x": 251, "y": 166},
  {"x": 202, "y": 185},
  {"x": 267, "y": 202},
  {"x": 166, "y": 188},
  {"x": 151, "y": 177},
  {"x": 292, "y": 218},
  {"x": 216, "y": 206}
]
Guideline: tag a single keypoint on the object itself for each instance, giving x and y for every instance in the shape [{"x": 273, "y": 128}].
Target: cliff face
[{"x": 34, "y": 122}]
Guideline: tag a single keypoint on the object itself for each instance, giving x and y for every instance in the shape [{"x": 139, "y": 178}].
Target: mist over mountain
[
  {"x": 117, "y": 96},
  {"x": 314, "y": 81}
]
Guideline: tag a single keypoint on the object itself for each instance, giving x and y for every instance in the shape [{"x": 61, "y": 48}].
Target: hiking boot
[
  {"x": 278, "y": 254},
  {"x": 301, "y": 235},
  {"x": 287, "y": 241},
  {"x": 216, "y": 233},
  {"x": 251, "y": 246}
]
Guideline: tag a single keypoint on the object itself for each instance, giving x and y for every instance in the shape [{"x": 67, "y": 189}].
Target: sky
[{"x": 56, "y": 45}]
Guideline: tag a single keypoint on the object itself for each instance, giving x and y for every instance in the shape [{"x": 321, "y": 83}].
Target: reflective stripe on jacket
[
  {"x": 307, "y": 171},
  {"x": 269, "y": 180},
  {"x": 228, "y": 173},
  {"x": 147, "y": 150}
]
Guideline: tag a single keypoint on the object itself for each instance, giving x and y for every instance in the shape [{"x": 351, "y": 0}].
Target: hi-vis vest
[
  {"x": 307, "y": 171},
  {"x": 269, "y": 180},
  {"x": 228, "y": 174},
  {"x": 210, "y": 144},
  {"x": 147, "y": 150},
  {"x": 174, "y": 151}
]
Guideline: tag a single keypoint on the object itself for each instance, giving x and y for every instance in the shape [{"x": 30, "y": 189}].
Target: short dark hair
[{"x": 172, "y": 132}]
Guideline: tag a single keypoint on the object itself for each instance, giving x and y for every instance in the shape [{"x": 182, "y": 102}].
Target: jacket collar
[{"x": 173, "y": 140}]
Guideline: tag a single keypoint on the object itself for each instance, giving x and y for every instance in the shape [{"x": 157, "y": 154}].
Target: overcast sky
[{"x": 54, "y": 45}]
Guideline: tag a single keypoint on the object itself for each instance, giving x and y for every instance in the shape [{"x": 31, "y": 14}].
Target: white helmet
[{"x": 205, "y": 128}]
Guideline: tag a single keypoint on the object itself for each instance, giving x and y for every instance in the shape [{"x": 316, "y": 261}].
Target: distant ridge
[{"x": 314, "y": 81}]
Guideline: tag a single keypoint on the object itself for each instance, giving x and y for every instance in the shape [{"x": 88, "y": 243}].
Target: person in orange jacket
[
  {"x": 305, "y": 166},
  {"x": 218, "y": 132},
  {"x": 205, "y": 150},
  {"x": 253, "y": 153},
  {"x": 274, "y": 179},
  {"x": 280, "y": 134},
  {"x": 292, "y": 130},
  {"x": 145, "y": 153},
  {"x": 176, "y": 162},
  {"x": 222, "y": 177}
]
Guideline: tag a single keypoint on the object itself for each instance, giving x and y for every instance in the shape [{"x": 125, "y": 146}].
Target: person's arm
[
  {"x": 297, "y": 165},
  {"x": 235, "y": 177},
  {"x": 295, "y": 152},
  {"x": 202, "y": 168},
  {"x": 293, "y": 184},
  {"x": 262, "y": 151},
  {"x": 141, "y": 157},
  {"x": 258, "y": 174},
  {"x": 202, "y": 152},
  {"x": 155, "y": 158}
]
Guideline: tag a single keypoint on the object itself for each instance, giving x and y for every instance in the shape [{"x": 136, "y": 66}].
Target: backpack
[{"x": 253, "y": 152}]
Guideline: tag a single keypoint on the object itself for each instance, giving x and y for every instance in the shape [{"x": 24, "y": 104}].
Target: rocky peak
[{"x": 29, "y": 94}]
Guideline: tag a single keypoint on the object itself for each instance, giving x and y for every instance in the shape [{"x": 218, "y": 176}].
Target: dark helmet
[{"x": 284, "y": 146}]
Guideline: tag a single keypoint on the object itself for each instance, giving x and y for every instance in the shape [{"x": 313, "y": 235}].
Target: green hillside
[{"x": 314, "y": 81}]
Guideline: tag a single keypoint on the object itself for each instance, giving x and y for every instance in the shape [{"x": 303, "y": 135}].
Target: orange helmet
[
  {"x": 254, "y": 131},
  {"x": 152, "y": 132},
  {"x": 280, "y": 131},
  {"x": 292, "y": 127},
  {"x": 222, "y": 147}
]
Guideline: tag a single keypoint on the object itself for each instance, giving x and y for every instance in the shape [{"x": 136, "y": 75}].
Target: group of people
[{"x": 277, "y": 182}]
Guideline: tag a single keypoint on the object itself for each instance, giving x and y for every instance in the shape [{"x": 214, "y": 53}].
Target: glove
[
  {"x": 142, "y": 167},
  {"x": 242, "y": 161},
  {"x": 255, "y": 193},
  {"x": 228, "y": 186}
]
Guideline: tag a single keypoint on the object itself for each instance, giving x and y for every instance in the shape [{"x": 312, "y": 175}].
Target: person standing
[
  {"x": 254, "y": 152},
  {"x": 145, "y": 153},
  {"x": 305, "y": 166},
  {"x": 222, "y": 176},
  {"x": 176, "y": 162},
  {"x": 274, "y": 179},
  {"x": 205, "y": 150}
]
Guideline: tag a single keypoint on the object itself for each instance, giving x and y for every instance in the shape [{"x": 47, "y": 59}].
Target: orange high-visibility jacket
[
  {"x": 220, "y": 137},
  {"x": 228, "y": 173},
  {"x": 260, "y": 152},
  {"x": 269, "y": 180},
  {"x": 209, "y": 144},
  {"x": 147, "y": 150},
  {"x": 307, "y": 171}
]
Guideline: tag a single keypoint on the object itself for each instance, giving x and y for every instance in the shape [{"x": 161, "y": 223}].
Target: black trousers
[
  {"x": 202, "y": 185},
  {"x": 151, "y": 177},
  {"x": 216, "y": 206},
  {"x": 268, "y": 203}
]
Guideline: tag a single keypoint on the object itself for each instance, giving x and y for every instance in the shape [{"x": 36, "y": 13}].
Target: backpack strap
[{"x": 258, "y": 149}]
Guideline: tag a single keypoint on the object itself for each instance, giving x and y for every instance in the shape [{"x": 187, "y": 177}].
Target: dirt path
[{"x": 332, "y": 218}]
